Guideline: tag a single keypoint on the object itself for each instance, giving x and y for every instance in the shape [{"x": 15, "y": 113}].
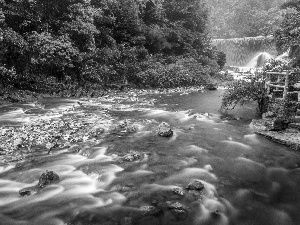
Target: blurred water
[{"x": 247, "y": 179}]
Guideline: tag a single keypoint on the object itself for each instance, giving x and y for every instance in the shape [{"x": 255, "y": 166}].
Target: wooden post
[
  {"x": 278, "y": 80},
  {"x": 268, "y": 80},
  {"x": 286, "y": 85}
]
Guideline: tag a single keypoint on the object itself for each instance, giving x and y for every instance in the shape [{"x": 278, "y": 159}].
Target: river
[{"x": 248, "y": 180}]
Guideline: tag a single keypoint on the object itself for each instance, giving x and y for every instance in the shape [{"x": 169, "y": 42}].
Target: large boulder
[
  {"x": 276, "y": 124},
  {"x": 47, "y": 178},
  {"x": 211, "y": 86}
]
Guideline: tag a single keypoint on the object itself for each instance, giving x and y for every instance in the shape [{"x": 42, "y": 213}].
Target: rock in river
[
  {"x": 47, "y": 178},
  {"x": 178, "y": 191},
  {"x": 195, "y": 185},
  {"x": 164, "y": 130},
  {"x": 28, "y": 191},
  {"x": 132, "y": 156},
  {"x": 177, "y": 209},
  {"x": 150, "y": 210}
]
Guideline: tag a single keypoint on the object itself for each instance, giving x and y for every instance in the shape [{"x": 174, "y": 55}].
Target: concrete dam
[{"x": 247, "y": 52}]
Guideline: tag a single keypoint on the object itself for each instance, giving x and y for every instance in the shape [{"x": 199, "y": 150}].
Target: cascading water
[
  {"x": 242, "y": 52},
  {"x": 214, "y": 170},
  {"x": 259, "y": 60}
]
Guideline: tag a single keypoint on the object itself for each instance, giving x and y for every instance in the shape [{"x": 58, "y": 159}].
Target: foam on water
[
  {"x": 6, "y": 168},
  {"x": 16, "y": 116},
  {"x": 195, "y": 149},
  {"x": 252, "y": 138},
  {"x": 97, "y": 186},
  {"x": 188, "y": 174}
]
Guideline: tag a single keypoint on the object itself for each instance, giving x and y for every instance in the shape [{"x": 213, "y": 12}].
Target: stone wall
[
  {"x": 240, "y": 51},
  {"x": 282, "y": 108},
  {"x": 280, "y": 113}
]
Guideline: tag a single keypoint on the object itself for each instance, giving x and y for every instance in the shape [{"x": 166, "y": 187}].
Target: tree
[
  {"x": 244, "y": 91},
  {"x": 80, "y": 25},
  {"x": 287, "y": 37},
  {"x": 105, "y": 41},
  {"x": 53, "y": 55}
]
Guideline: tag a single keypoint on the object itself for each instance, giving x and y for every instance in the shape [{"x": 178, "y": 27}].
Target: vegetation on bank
[
  {"x": 287, "y": 39},
  {"x": 56, "y": 45},
  {"x": 288, "y": 35},
  {"x": 249, "y": 89}
]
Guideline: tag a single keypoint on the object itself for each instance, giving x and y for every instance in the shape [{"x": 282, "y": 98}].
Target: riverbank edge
[
  {"x": 291, "y": 140},
  {"x": 82, "y": 101},
  {"x": 288, "y": 137},
  {"x": 189, "y": 89}
]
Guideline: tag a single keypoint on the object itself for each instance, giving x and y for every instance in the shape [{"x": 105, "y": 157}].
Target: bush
[
  {"x": 7, "y": 77},
  {"x": 276, "y": 65},
  {"x": 245, "y": 91},
  {"x": 185, "y": 72}
]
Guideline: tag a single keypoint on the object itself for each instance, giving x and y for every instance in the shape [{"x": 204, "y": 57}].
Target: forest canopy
[
  {"x": 244, "y": 18},
  {"x": 87, "y": 42}
]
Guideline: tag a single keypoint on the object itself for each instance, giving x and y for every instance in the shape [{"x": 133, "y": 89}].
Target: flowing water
[{"x": 247, "y": 179}]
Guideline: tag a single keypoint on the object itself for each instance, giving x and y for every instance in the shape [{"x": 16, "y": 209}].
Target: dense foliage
[
  {"x": 249, "y": 89},
  {"x": 101, "y": 42},
  {"x": 288, "y": 35},
  {"x": 244, "y": 18}
]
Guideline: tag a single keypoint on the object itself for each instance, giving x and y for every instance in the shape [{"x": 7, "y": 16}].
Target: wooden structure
[{"x": 279, "y": 81}]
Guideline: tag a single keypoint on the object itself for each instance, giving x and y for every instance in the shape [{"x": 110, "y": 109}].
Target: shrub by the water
[{"x": 250, "y": 89}]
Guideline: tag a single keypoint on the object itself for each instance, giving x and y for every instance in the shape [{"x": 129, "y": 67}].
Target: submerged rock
[
  {"x": 28, "y": 191},
  {"x": 164, "y": 130},
  {"x": 175, "y": 205},
  {"x": 121, "y": 188},
  {"x": 122, "y": 124},
  {"x": 195, "y": 185},
  {"x": 132, "y": 156},
  {"x": 211, "y": 86},
  {"x": 131, "y": 129},
  {"x": 47, "y": 178},
  {"x": 178, "y": 191},
  {"x": 150, "y": 210},
  {"x": 177, "y": 209}
]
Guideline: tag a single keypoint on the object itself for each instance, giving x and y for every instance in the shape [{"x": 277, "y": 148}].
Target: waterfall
[
  {"x": 259, "y": 60},
  {"x": 248, "y": 51}
]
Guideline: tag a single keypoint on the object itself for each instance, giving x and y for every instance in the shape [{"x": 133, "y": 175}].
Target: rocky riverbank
[
  {"x": 289, "y": 136},
  {"x": 80, "y": 121}
]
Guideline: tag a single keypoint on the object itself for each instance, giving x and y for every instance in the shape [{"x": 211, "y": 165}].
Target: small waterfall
[
  {"x": 241, "y": 51},
  {"x": 259, "y": 60}
]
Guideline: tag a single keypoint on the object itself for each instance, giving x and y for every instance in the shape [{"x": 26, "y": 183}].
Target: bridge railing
[{"x": 279, "y": 80}]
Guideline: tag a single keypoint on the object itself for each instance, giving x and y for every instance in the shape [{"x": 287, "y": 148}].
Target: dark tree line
[{"x": 87, "y": 42}]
